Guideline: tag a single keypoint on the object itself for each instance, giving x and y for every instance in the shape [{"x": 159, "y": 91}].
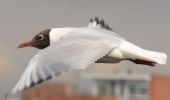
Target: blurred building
[
  {"x": 95, "y": 86},
  {"x": 55, "y": 91},
  {"x": 48, "y": 90},
  {"x": 125, "y": 86},
  {"x": 160, "y": 88}
]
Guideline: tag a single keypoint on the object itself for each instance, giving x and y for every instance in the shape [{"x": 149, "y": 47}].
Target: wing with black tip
[
  {"x": 96, "y": 22},
  {"x": 65, "y": 56}
]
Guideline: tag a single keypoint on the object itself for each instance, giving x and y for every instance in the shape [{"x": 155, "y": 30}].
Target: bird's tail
[{"x": 141, "y": 56}]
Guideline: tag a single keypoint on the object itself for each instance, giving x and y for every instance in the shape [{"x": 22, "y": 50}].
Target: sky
[{"x": 143, "y": 22}]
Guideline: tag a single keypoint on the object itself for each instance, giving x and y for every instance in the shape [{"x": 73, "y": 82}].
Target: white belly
[{"x": 116, "y": 54}]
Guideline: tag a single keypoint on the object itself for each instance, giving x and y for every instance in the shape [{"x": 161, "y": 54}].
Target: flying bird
[{"x": 70, "y": 48}]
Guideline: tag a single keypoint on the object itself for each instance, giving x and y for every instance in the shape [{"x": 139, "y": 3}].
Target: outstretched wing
[{"x": 66, "y": 55}]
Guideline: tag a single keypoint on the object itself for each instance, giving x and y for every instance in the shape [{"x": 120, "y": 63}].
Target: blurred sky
[{"x": 143, "y": 22}]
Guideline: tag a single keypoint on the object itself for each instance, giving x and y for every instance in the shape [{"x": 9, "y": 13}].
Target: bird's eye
[{"x": 40, "y": 37}]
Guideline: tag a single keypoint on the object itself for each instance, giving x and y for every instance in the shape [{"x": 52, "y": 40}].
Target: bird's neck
[{"x": 56, "y": 34}]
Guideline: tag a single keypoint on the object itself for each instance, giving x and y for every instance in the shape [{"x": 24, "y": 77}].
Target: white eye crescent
[{"x": 42, "y": 37}]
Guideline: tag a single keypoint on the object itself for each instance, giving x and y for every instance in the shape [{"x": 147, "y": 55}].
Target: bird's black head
[{"x": 40, "y": 41}]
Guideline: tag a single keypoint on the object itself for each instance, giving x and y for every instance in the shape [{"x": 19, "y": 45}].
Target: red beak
[{"x": 26, "y": 44}]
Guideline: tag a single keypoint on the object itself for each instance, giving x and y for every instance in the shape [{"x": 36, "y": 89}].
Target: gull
[{"x": 75, "y": 48}]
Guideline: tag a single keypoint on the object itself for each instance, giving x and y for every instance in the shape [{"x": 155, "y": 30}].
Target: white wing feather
[
  {"x": 64, "y": 56},
  {"x": 76, "y": 50}
]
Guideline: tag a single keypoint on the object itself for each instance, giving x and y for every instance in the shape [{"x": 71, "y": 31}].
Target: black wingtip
[
  {"x": 101, "y": 23},
  {"x": 40, "y": 81}
]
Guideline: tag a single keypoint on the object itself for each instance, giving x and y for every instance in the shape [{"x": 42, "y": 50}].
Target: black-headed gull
[{"x": 66, "y": 49}]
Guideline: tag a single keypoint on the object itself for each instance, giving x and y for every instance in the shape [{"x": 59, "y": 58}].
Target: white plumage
[
  {"x": 131, "y": 51},
  {"x": 78, "y": 48}
]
